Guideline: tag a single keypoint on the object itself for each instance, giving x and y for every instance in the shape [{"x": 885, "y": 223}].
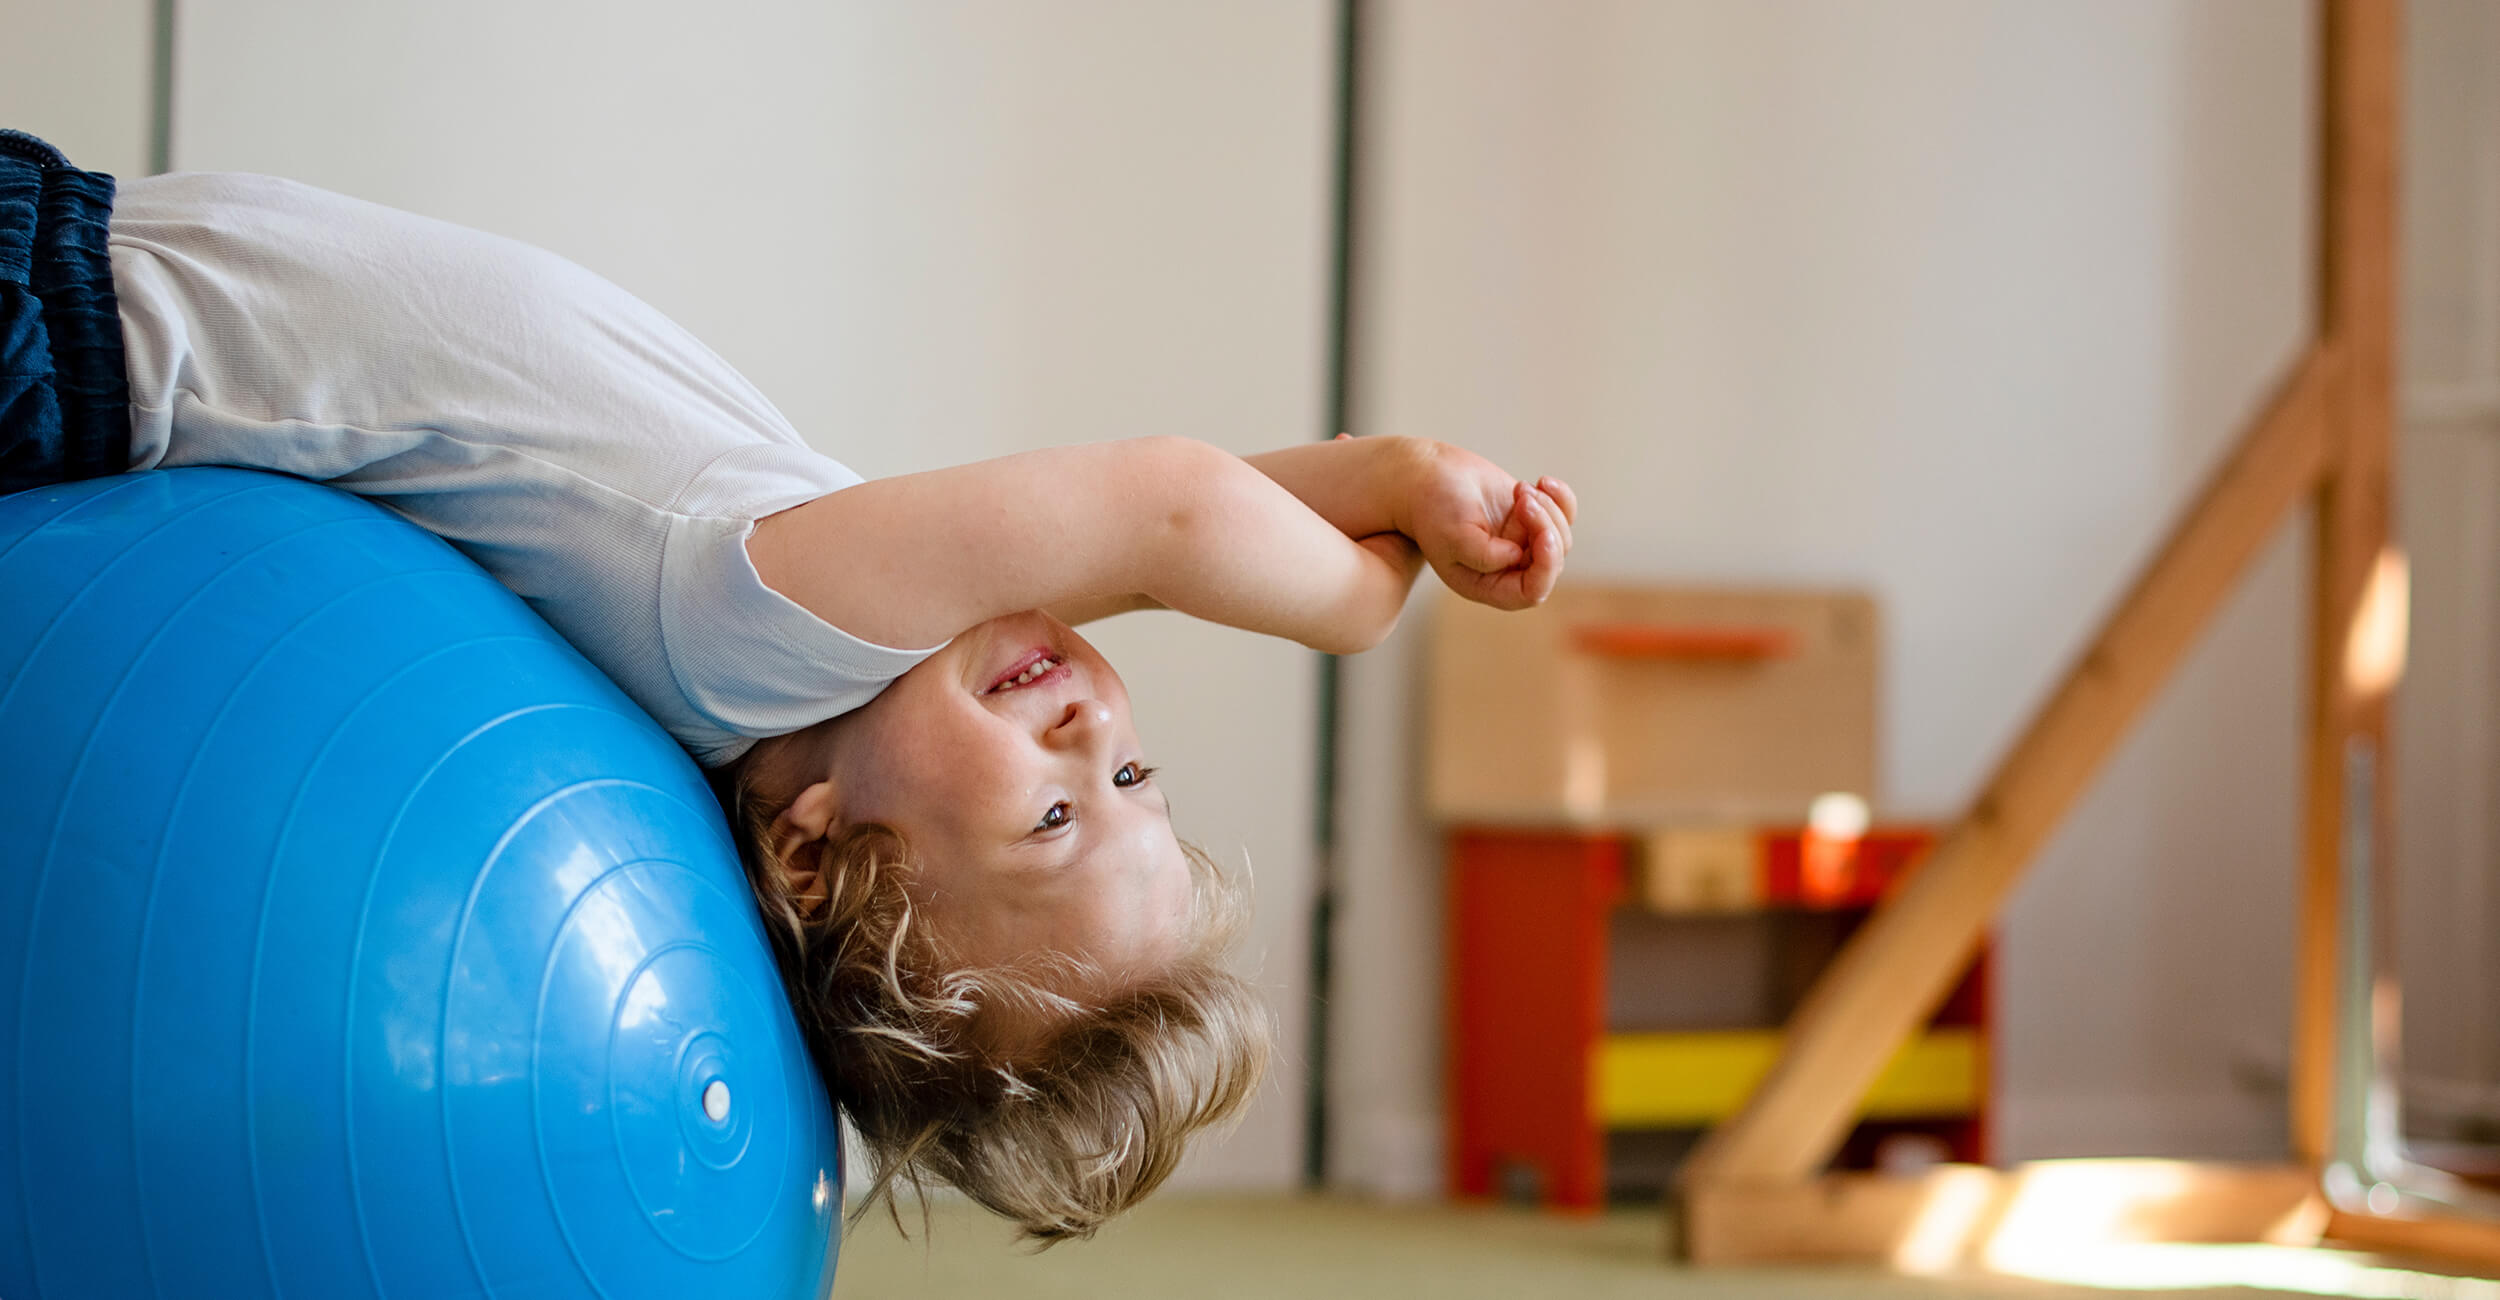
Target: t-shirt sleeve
[{"x": 747, "y": 660}]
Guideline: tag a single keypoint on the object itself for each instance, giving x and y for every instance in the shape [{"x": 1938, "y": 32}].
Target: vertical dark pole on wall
[
  {"x": 161, "y": 91},
  {"x": 1324, "y": 805}
]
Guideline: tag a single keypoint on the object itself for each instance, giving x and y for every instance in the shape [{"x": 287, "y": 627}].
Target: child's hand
[{"x": 1489, "y": 537}]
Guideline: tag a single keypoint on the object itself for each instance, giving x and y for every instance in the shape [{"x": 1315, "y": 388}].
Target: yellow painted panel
[{"x": 1673, "y": 1080}]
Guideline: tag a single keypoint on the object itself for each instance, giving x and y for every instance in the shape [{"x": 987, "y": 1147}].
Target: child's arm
[
  {"x": 1358, "y": 487},
  {"x": 1077, "y": 613},
  {"x": 916, "y": 559}
]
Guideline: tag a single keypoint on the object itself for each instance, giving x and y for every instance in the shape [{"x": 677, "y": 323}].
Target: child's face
[{"x": 1032, "y": 818}]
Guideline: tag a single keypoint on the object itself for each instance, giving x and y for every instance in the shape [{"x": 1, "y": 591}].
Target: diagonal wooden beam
[{"x": 1897, "y": 968}]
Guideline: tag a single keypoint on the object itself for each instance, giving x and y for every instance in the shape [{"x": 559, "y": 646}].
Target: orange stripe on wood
[{"x": 1682, "y": 641}]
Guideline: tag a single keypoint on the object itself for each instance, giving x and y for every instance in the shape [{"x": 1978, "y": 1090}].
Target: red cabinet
[{"x": 1540, "y": 1072}]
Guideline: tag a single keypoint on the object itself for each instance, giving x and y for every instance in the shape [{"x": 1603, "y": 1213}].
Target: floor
[{"x": 1218, "y": 1249}]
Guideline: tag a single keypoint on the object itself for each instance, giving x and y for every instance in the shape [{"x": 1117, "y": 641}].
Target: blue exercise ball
[{"x": 358, "y": 938}]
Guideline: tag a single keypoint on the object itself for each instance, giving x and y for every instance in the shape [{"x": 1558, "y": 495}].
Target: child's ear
[{"x": 807, "y": 821}]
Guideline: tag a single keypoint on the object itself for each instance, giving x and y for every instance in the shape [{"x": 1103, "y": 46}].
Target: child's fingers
[
  {"x": 1500, "y": 589},
  {"x": 1562, "y": 520},
  {"x": 1517, "y": 568},
  {"x": 1546, "y": 514},
  {"x": 1563, "y": 496},
  {"x": 1487, "y": 552},
  {"x": 1505, "y": 590},
  {"x": 1547, "y": 568},
  {"x": 1545, "y": 553},
  {"x": 1516, "y": 524}
]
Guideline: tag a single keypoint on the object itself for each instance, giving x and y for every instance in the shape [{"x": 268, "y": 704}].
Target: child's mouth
[{"x": 1031, "y": 670}]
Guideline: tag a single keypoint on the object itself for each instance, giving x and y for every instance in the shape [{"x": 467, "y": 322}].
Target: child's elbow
[
  {"x": 1389, "y": 577},
  {"x": 1362, "y": 628},
  {"x": 1366, "y": 637}
]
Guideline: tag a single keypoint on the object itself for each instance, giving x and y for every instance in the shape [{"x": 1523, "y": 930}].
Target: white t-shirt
[{"x": 583, "y": 449}]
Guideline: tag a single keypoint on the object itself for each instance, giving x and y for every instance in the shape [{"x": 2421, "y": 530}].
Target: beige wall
[
  {"x": 77, "y": 73},
  {"x": 2448, "y": 722},
  {"x": 1954, "y": 300}
]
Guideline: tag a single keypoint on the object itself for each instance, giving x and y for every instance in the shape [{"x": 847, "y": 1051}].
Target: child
[{"x": 1001, "y": 956}]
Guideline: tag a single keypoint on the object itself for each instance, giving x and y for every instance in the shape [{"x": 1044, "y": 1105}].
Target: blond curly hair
[{"x": 1068, "y": 1120}]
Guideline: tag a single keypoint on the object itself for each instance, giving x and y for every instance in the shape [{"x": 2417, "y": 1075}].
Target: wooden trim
[
  {"x": 1894, "y": 971},
  {"x": 2357, "y": 272},
  {"x": 2473, "y": 1243},
  {"x": 1958, "y": 1217},
  {"x": 1865, "y": 1219}
]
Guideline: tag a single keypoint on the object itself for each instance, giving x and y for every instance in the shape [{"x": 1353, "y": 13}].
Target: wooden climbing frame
[{"x": 1756, "y": 1189}]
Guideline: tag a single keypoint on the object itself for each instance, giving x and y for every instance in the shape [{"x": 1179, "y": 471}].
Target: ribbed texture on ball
[{"x": 357, "y": 938}]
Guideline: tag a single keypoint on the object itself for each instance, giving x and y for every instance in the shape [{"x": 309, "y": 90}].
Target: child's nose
[{"x": 1086, "y": 722}]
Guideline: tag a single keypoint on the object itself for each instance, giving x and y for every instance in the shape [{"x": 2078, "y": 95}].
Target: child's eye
[
  {"x": 1058, "y": 815},
  {"x": 1132, "y": 774}
]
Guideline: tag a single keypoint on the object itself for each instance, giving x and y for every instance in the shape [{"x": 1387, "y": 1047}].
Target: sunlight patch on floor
[{"x": 2273, "y": 1268}]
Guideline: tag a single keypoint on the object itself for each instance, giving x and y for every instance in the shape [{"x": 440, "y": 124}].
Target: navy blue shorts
[{"x": 64, "y": 397}]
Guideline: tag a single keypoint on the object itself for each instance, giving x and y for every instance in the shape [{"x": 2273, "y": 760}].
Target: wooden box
[{"x": 1651, "y": 706}]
